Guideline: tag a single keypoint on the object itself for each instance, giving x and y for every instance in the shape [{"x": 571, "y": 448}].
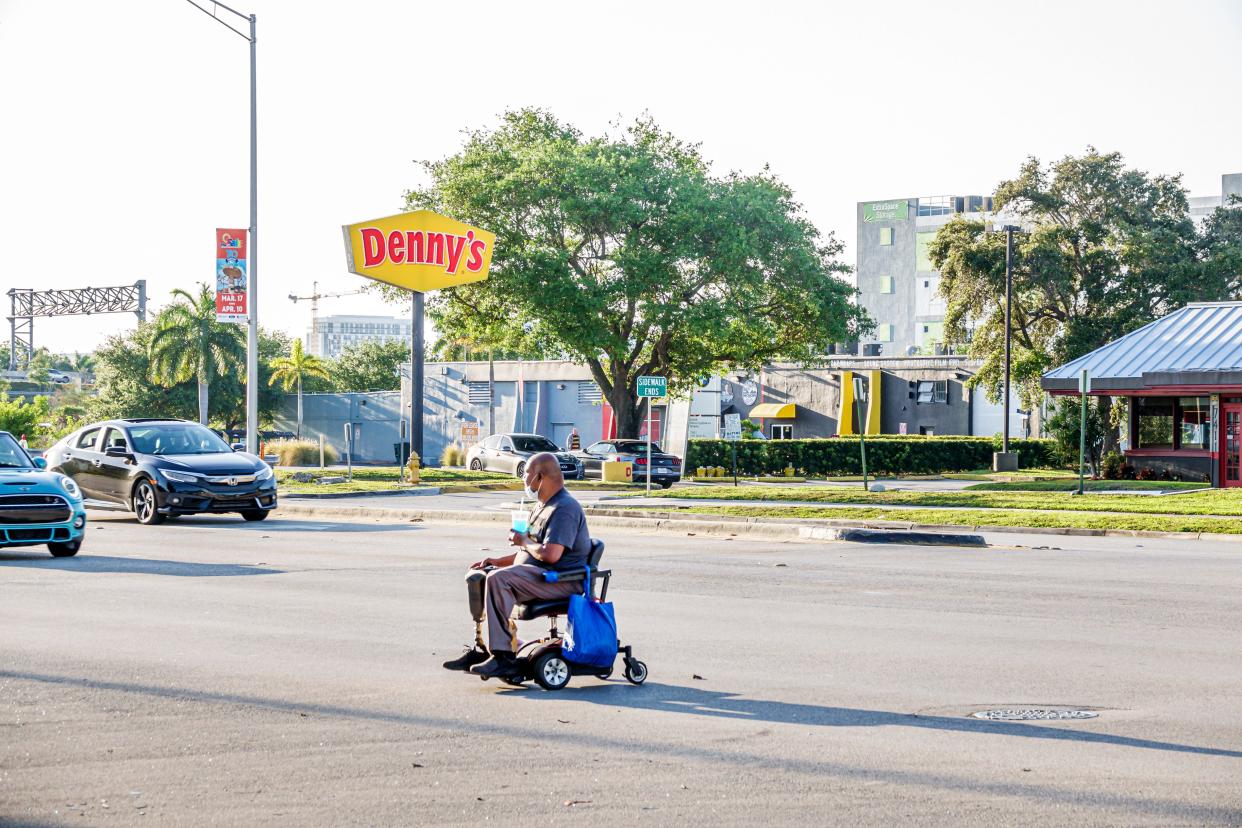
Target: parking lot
[{"x": 210, "y": 671}]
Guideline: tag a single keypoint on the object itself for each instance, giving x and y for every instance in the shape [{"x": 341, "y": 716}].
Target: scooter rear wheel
[
  {"x": 635, "y": 671},
  {"x": 551, "y": 671}
]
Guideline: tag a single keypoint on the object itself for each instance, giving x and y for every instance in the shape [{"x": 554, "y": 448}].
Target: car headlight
[
  {"x": 180, "y": 477},
  {"x": 70, "y": 487},
  {"x": 264, "y": 473}
]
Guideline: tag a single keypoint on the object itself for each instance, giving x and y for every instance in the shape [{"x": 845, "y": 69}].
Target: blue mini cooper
[{"x": 38, "y": 506}]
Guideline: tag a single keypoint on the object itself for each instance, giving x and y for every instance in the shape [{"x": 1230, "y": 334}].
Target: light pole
[
  {"x": 1006, "y": 461},
  {"x": 252, "y": 301}
]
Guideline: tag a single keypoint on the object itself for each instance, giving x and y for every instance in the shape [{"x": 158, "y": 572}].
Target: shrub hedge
[
  {"x": 886, "y": 454},
  {"x": 300, "y": 452}
]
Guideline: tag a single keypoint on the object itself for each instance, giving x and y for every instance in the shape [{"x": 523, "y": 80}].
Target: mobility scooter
[{"x": 542, "y": 661}]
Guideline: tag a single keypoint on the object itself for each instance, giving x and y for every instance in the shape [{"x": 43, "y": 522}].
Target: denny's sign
[{"x": 419, "y": 251}]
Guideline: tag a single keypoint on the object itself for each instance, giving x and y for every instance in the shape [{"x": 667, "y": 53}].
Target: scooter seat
[{"x": 541, "y": 609}]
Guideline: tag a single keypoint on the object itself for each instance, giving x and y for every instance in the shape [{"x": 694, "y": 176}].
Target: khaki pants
[{"x": 505, "y": 588}]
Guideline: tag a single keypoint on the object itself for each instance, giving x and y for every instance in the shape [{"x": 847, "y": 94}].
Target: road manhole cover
[{"x": 1032, "y": 714}]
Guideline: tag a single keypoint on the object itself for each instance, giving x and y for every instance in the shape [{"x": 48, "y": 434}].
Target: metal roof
[{"x": 1200, "y": 344}]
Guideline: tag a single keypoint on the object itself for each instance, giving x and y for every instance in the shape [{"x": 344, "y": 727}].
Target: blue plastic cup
[{"x": 521, "y": 521}]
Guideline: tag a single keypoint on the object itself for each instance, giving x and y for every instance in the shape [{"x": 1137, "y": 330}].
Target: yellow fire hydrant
[{"x": 413, "y": 466}]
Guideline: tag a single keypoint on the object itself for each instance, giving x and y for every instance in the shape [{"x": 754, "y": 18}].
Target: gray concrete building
[
  {"x": 896, "y": 282},
  {"x": 1202, "y": 206},
  {"x": 916, "y": 395},
  {"x": 329, "y": 335}
]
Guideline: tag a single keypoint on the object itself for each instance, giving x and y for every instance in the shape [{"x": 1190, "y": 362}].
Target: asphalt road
[{"x": 211, "y": 672}]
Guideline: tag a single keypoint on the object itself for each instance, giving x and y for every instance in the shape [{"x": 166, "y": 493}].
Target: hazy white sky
[{"x": 124, "y": 141}]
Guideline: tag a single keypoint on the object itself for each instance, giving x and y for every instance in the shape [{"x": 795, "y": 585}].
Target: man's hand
[
  {"x": 517, "y": 538},
  {"x": 483, "y": 564}
]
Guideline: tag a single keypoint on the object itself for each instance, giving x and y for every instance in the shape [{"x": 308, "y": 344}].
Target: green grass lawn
[
  {"x": 387, "y": 478},
  {"x": 1207, "y": 502},
  {"x": 1088, "y": 486},
  {"x": 1061, "y": 520},
  {"x": 380, "y": 478}
]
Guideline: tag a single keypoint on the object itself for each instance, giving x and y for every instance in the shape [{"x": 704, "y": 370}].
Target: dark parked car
[
  {"x": 509, "y": 453},
  {"x": 665, "y": 468},
  {"x": 158, "y": 468}
]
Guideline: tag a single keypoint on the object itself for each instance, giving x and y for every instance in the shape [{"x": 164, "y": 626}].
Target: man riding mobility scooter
[{"x": 545, "y": 660}]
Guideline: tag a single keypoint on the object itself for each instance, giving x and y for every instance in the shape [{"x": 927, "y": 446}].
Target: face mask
[{"x": 531, "y": 494}]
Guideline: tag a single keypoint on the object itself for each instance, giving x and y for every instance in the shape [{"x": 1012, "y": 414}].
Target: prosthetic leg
[{"x": 475, "y": 580}]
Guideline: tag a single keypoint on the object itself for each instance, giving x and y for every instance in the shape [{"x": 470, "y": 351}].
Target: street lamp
[
  {"x": 252, "y": 335},
  {"x": 1005, "y": 461}
]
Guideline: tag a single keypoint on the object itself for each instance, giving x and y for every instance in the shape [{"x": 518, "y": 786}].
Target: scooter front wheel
[
  {"x": 635, "y": 672},
  {"x": 551, "y": 671}
]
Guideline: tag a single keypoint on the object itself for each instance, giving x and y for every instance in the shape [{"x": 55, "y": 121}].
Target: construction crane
[{"x": 314, "y": 298}]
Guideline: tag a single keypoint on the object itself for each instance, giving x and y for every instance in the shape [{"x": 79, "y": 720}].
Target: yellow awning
[{"x": 774, "y": 411}]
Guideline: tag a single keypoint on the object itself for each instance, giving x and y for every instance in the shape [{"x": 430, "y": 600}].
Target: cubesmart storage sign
[
  {"x": 898, "y": 210},
  {"x": 420, "y": 250}
]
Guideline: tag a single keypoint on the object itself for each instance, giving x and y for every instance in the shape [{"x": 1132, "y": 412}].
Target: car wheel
[
  {"x": 65, "y": 550},
  {"x": 476, "y": 465},
  {"x": 146, "y": 505},
  {"x": 255, "y": 514},
  {"x": 520, "y": 470}
]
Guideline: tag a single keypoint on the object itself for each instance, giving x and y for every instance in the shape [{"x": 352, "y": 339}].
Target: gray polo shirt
[{"x": 560, "y": 520}]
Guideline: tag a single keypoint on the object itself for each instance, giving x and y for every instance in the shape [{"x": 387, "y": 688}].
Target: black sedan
[
  {"x": 665, "y": 468},
  {"x": 158, "y": 468}
]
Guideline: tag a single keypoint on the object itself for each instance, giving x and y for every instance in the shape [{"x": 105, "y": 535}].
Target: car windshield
[
  {"x": 534, "y": 444},
  {"x": 11, "y": 454},
  {"x": 637, "y": 446},
  {"x": 176, "y": 438}
]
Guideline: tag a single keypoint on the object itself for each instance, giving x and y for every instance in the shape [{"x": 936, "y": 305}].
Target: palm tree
[
  {"x": 190, "y": 344},
  {"x": 84, "y": 364},
  {"x": 290, "y": 370}
]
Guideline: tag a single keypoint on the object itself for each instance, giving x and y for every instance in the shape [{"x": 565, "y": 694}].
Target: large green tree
[
  {"x": 1104, "y": 250},
  {"x": 627, "y": 255},
  {"x": 189, "y": 343},
  {"x": 370, "y": 366},
  {"x": 123, "y": 370},
  {"x": 290, "y": 371}
]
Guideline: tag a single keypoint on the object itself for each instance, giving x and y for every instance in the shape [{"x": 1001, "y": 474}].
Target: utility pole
[
  {"x": 1004, "y": 460},
  {"x": 252, "y": 290}
]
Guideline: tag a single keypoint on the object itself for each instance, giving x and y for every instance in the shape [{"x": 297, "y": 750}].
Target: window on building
[
  {"x": 941, "y": 392},
  {"x": 922, "y": 260},
  {"x": 1194, "y": 417},
  {"x": 926, "y": 390},
  {"x": 588, "y": 393},
  {"x": 886, "y": 236},
  {"x": 1154, "y": 417},
  {"x": 936, "y": 206},
  {"x": 884, "y": 333},
  {"x": 782, "y": 432},
  {"x": 886, "y": 284}
]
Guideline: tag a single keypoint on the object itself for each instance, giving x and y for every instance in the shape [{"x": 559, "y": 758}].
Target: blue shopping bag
[{"x": 591, "y": 630}]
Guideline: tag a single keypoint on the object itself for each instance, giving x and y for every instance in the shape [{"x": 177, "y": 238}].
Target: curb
[
  {"x": 730, "y": 526},
  {"x": 959, "y": 527},
  {"x": 919, "y": 538}
]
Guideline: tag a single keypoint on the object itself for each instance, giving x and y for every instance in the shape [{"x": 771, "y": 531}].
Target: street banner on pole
[
  {"x": 232, "y": 294},
  {"x": 418, "y": 251}
]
